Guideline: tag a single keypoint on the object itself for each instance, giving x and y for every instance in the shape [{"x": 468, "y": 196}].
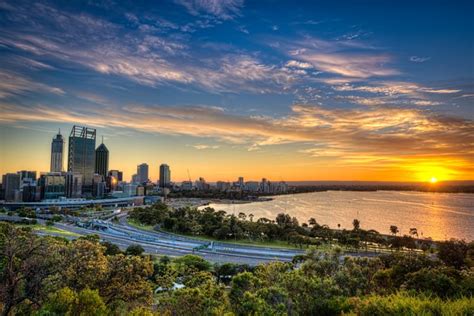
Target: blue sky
[{"x": 312, "y": 82}]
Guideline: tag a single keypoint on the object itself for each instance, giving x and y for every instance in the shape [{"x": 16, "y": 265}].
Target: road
[{"x": 162, "y": 243}]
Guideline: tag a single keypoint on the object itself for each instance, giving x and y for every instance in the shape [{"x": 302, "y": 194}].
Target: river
[{"x": 437, "y": 215}]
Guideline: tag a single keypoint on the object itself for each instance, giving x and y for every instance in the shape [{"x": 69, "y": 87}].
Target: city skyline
[{"x": 230, "y": 88}]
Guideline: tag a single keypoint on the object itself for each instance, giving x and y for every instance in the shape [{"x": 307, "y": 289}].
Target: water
[{"x": 437, "y": 215}]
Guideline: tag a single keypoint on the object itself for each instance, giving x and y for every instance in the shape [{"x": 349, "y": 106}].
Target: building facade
[
  {"x": 81, "y": 155},
  {"x": 52, "y": 185},
  {"x": 142, "y": 173},
  {"x": 57, "y": 153},
  {"x": 10, "y": 184},
  {"x": 102, "y": 160},
  {"x": 165, "y": 176},
  {"x": 73, "y": 185}
]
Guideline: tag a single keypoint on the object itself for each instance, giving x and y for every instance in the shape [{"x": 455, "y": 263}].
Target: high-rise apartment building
[
  {"x": 165, "y": 176},
  {"x": 142, "y": 173},
  {"x": 81, "y": 155},
  {"x": 102, "y": 160},
  {"x": 57, "y": 152}
]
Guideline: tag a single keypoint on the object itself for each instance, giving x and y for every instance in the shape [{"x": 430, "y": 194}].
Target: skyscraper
[
  {"x": 142, "y": 173},
  {"x": 57, "y": 151},
  {"x": 165, "y": 176},
  {"x": 81, "y": 155},
  {"x": 10, "y": 184},
  {"x": 102, "y": 160}
]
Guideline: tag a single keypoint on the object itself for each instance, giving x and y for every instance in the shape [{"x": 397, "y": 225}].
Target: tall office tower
[
  {"x": 10, "y": 184},
  {"x": 142, "y": 173},
  {"x": 165, "y": 176},
  {"x": 102, "y": 160},
  {"x": 57, "y": 151},
  {"x": 81, "y": 155},
  {"x": 241, "y": 182}
]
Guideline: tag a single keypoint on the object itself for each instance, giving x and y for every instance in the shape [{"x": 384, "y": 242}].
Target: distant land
[{"x": 466, "y": 186}]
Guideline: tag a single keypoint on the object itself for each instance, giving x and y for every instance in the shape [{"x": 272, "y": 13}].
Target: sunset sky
[{"x": 333, "y": 90}]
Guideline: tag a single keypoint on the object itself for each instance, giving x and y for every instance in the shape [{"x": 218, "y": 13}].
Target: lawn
[
  {"x": 273, "y": 244},
  {"x": 51, "y": 230}
]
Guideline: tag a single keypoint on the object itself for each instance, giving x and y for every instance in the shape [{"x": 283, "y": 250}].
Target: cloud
[
  {"x": 146, "y": 58},
  {"x": 15, "y": 84},
  {"x": 203, "y": 146},
  {"x": 391, "y": 88},
  {"x": 347, "y": 65},
  {"x": 223, "y": 9},
  {"x": 344, "y": 58},
  {"x": 374, "y": 131},
  {"x": 298, "y": 64},
  {"x": 243, "y": 29},
  {"x": 417, "y": 59}
]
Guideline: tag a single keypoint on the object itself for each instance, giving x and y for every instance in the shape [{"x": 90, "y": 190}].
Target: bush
[
  {"x": 134, "y": 250},
  {"x": 401, "y": 304}
]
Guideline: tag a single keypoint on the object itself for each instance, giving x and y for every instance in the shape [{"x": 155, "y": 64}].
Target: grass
[
  {"x": 51, "y": 230},
  {"x": 273, "y": 243}
]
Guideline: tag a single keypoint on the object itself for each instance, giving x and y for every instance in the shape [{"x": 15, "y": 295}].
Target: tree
[
  {"x": 88, "y": 303},
  {"x": 453, "y": 253},
  {"x": 26, "y": 263},
  {"x": 86, "y": 266},
  {"x": 394, "y": 230},
  {"x": 413, "y": 232},
  {"x": 189, "y": 263},
  {"x": 251, "y": 217},
  {"x": 134, "y": 250},
  {"x": 356, "y": 224},
  {"x": 126, "y": 280},
  {"x": 110, "y": 248}
]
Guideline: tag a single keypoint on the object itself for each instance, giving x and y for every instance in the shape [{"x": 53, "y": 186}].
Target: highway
[{"x": 161, "y": 243}]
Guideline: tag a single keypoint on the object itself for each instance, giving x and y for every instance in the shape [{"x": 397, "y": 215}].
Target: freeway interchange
[{"x": 162, "y": 243}]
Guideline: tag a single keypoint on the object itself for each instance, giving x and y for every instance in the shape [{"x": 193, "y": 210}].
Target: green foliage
[
  {"x": 111, "y": 249},
  {"x": 401, "y": 304},
  {"x": 51, "y": 276},
  {"x": 134, "y": 250},
  {"x": 456, "y": 253},
  {"x": 189, "y": 263}
]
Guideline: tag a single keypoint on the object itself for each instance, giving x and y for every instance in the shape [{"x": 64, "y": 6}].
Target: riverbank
[{"x": 201, "y": 203}]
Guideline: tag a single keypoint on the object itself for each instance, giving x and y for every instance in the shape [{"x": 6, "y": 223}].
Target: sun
[{"x": 433, "y": 180}]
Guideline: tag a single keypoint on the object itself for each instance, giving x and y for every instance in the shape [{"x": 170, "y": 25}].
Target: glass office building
[{"x": 81, "y": 155}]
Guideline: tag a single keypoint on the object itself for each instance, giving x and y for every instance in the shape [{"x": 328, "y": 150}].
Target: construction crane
[{"x": 189, "y": 176}]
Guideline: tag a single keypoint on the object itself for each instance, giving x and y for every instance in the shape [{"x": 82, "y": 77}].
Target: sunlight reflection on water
[{"x": 436, "y": 215}]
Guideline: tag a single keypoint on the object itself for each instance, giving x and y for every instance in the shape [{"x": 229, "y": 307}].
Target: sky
[{"x": 305, "y": 90}]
